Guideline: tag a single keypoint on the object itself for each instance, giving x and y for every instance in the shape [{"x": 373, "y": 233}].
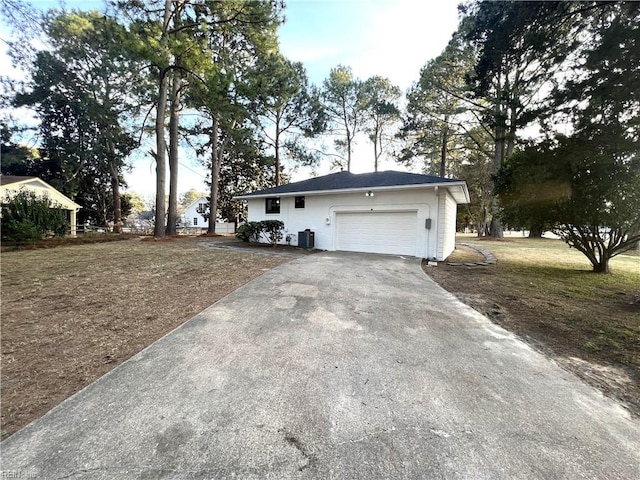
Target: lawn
[
  {"x": 70, "y": 314},
  {"x": 545, "y": 292}
]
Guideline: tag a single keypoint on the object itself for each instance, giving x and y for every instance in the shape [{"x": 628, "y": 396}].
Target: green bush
[
  {"x": 28, "y": 217},
  {"x": 272, "y": 230},
  {"x": 249, "y": 231}
]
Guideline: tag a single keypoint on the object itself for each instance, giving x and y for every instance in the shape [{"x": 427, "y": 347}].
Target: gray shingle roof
[
  {"x": 9, "y": 179},
  {"x": 348, "y": 180}
]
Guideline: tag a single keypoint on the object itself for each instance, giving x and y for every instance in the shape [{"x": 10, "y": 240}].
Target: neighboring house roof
[
  {"x": 9, "y": 179},
  {"x": 11, "y": 184},
  {"x": 346, "y": 181},
  {"x": 197, "y": 201}
]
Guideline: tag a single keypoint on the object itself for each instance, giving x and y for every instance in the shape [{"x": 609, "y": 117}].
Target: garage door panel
[{"x": 377, "y": 232}]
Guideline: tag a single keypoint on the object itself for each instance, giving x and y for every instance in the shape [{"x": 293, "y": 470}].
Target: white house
[
  {"x": 192, "y": 216},
  {"x": 383, "y": 212},
  {"x": 10, "y": 185}
]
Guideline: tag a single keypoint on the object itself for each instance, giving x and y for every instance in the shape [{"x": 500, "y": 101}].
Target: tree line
[
  {"x": 180, "y": 74},
  {"x": 534, "y": 104}
]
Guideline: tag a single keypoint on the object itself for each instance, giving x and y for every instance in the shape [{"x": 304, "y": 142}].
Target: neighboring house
[
  {"x": 192, "y": 216},
  {"x": 10, "y": 185},
  {"x": 383, "y": 212}
]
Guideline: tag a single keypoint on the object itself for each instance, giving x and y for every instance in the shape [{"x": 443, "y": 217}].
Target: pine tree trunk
[
  {"x": 115, "y": 186},
  {"x": 444, "y": 152},
  {"x": 117, "y": 201},
  {"x": 277, "y": 159},
  {"x": 174, "y": 123},
  {"x": 375, "y": 153},
  {"x": 161, "y": 147},
  {"x": 498, "y": 157},
  {"x": 215, "y": 175},
  {"x": 348, "y": 151},
  {"x": 117, "y": 206},
  {"x": 161, "y": 168}
]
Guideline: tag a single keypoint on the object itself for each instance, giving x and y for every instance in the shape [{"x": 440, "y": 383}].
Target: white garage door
[{"x": 377, "y": 232}]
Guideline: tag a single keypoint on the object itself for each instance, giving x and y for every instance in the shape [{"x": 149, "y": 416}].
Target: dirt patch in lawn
[
  {"x": 545, "y": 293},
  {"x": 71, "y": 314}
]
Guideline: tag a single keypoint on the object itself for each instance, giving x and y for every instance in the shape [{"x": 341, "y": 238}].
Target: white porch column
[{"x": 72, "y": 222}]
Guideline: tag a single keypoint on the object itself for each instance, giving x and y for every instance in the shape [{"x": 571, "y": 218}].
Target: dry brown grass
[
  {"x": 545, "y": 292},
  {"x": 464, "y": 254},
  {"x": 71, "y": 314}
]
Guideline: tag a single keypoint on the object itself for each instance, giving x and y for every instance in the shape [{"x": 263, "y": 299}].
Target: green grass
[{"x": 556, "y": 265}]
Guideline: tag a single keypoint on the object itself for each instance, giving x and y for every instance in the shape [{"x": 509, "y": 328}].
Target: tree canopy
[
  {"x": 342, "y": 97},
  {"x": 586, "y": 184},
  {"x": 81, "y": 90},
  {"x": 380, "y": 99}
]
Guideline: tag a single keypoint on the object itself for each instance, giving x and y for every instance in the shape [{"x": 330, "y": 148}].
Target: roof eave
[
  {"x": 19, "y": 183},
  {"x": 461, "y": 184},
  {"x": 464, "y": 197},
  {"x": 197, "y": 200}
]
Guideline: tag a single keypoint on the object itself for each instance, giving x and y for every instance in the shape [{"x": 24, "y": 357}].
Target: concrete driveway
[{"x": 333, "y": 366}]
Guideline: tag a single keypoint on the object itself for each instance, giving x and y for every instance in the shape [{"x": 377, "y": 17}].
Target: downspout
[{"x": 437, "y": 222}]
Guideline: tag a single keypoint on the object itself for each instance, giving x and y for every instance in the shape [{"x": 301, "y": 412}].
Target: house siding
[
  {"x": 447, "y": 211},
  {"x": 319, "y": 215},
  {"x": 191, "y": 212}
]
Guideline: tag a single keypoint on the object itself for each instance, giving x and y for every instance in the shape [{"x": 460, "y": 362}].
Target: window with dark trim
[
  {"x": 195, "y": 221},
  {"x": 272, "y": 205},
  {"x": 299, "y": 201}
]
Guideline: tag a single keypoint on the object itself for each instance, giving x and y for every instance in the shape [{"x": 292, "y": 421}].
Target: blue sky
[{"x": 391, "y": 38}]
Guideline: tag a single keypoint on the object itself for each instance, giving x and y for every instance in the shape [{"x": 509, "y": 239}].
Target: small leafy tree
[
  {"x": 28, "y": 217},
  {"x": 272, "y": 230},
  {"x": 249, "y": 231},
  {"x": 587, "y": 190}
]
